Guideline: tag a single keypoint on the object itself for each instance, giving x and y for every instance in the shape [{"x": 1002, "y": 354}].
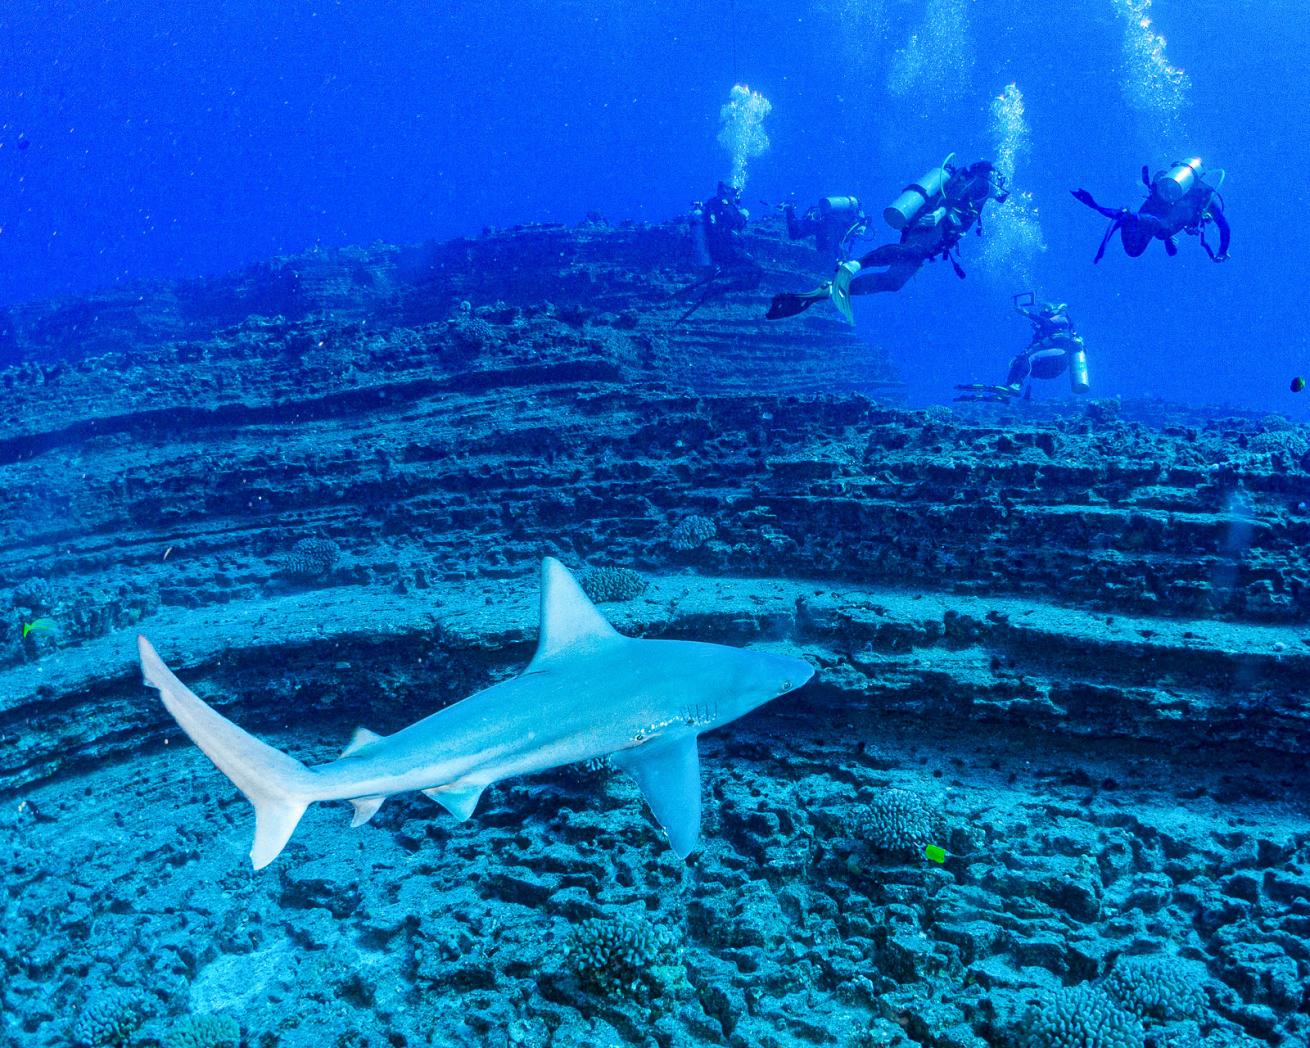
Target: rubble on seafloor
[{"x": 1067, "y": 646}]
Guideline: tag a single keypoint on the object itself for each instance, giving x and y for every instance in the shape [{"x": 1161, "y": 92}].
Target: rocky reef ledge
[{"x": 1070, "y": 647}]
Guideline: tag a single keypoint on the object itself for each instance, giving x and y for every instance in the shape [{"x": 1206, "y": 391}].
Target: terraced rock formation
[{"x": 1079, "y": 637}]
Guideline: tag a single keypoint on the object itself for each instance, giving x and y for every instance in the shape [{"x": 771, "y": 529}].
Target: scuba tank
[
  {"x": 916, "y": 196},
  {"x": 1174, "y": 184},
  {"x": 842, "y": 206},
  {"x": 696, "y": 226},
  {"x": 1078, "y": 379}
]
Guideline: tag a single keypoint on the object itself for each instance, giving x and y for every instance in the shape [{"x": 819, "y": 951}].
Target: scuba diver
[
  {"x": 1179, "y": 201},
  {"x": 835, "y": 222},
  {"x": 716, "y": 228},
  {"x": 1054, "y": 349},
  {"x": 933, "y": 216}
]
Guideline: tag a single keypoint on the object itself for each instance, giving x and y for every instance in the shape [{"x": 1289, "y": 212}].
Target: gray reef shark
[{"x": 588, "y": 692}]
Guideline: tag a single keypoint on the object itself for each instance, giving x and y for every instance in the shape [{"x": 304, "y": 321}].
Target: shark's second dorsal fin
[
  {"x": 359, "y": 740},
  {"x": 569, "y": 619},
  {"x": 668, "y": 773}
]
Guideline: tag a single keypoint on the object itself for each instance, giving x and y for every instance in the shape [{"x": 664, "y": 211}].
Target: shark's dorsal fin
[
  {"x": 359, "y": 740},
  {"x": 669, "y": 776},
  {"x": 458, "y": 800},
  {"x": 569, "y": 620}
]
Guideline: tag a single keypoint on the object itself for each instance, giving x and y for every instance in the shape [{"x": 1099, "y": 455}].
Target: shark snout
[{"x": 788, "y": 673}]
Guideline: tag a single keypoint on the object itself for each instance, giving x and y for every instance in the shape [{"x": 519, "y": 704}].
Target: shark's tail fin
[{"x": 279, "y": 787}]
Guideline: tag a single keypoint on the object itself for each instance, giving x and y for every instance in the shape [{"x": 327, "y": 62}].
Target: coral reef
[
  {"x": 311, "y": 559},
  {"x": 1158, "y": 986},
  {"x": 605, "y": 585},
  {"x": 204, "y": 1031},
  {"x": 625, "y": 957},
  {"x": 1066, "y": 643},
  {"x": 692, "y": 533},
  {"x": 898, "y": 823},
  {"x": 109, "y": 1019},
  {"x": 1081, "y": 1017}
]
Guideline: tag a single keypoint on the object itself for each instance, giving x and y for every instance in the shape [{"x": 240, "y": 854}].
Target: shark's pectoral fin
[
  {"x": 458, "y": 800},
  {"x": 365, "y": 809},
  {"x": 669, "y": 776}
]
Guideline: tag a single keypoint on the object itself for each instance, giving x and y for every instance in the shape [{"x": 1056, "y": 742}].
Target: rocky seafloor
[{"x": 1067, "y": 645}]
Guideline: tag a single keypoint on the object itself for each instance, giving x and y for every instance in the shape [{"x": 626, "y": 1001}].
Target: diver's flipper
[
  {"x": 789, "y": 304},
  {"x": 981, "y": 391},
  {"x": 1146, "y": 177},
  {"x": 840, "y": 290},
  {"x": 1170, "y": 248}
]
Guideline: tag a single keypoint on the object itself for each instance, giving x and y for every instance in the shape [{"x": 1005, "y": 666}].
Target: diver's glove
[{"x": 840, "y": 292}]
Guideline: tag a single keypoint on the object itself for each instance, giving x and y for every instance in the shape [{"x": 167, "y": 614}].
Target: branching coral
[
  {"x": 898, "y": 823},
  {"x": 613, "y": 584},
  {"x": 109, "y": 1019},
  {"x": 691, "y": 532},
  {"x": 1081, "y": 1017},
  {"x": 1158, "y": 986},
  {"x": 622, "y": 957}
]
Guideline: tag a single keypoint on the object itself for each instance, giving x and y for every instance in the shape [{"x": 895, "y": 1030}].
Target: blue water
[{"x": 184, "y": 139}]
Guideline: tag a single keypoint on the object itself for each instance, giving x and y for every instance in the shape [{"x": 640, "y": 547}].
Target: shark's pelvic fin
[
  {"x": 569, "y": 620},
  {"x": 458, "y": 800},
  {"x": 279, "y": 787},
  {"x": 365, "y": 809},
  {"x": 669, "y": 776},
  {"x": 359, "y": 740}
]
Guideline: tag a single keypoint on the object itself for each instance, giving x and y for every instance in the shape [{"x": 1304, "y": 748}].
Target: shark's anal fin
[
  {"x": 456, "y": 799},
  {"x": 365, "y": 809},
  {"x": 569, "y": 620},
  {"x": 359, "y": 740},
  {"x": 669, "y": 776}
]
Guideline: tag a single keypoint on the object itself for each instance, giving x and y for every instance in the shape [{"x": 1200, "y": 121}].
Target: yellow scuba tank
[
  {"x": 1174, "y": 184},
  {"x": 917, "y": 196},
  {"x": 1079, "y": 381}
]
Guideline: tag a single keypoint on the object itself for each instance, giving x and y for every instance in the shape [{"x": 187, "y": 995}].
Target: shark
[{"x": 589, "y": 692}]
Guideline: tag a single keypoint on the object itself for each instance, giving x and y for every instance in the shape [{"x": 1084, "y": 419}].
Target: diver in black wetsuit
[
  {"x": 1054, "y": 349},
  {"x": 834, "y": 222},
  {"x": 1179, "y": 201},
  {"x": 933, "y": 215},
  {"x": 716, "y": 233}
]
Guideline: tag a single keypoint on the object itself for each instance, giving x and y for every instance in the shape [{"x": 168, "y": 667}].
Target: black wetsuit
[
  {"x": 1047, "y": 355},
  {"x": 933, "y": 233},
  {"x": 732, "y": 268},
  {"x": 1157, "y": 219},
  {"x": 724, "y": 224}
]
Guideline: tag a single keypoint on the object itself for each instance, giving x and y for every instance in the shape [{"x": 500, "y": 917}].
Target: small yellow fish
[{"x": 44, "y": 625}]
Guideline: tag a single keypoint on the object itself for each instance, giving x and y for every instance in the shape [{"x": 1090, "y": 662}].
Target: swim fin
[
  {"x": 789, "y": 304},
  {"x": 840, "y": 292}
]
